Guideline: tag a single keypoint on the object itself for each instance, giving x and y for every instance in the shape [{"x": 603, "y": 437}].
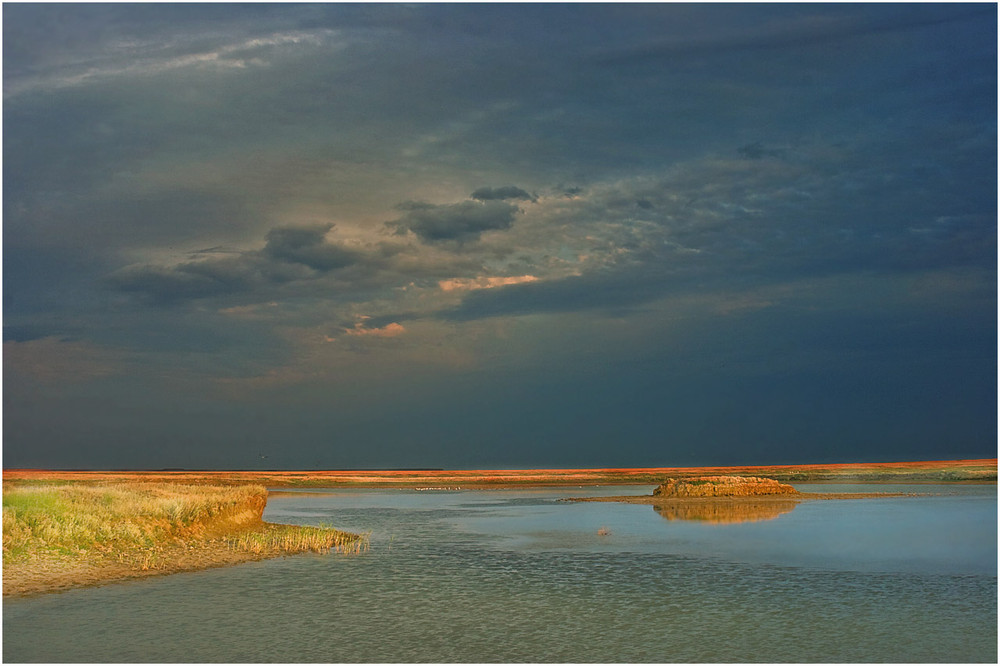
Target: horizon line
[{"x": 498, "y": 469}]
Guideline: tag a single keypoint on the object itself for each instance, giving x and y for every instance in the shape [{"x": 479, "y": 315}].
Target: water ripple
[{"x": 466, "y": 582}]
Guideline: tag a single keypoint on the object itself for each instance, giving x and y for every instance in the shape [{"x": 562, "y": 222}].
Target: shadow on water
[{"x": 739, "y": 511}]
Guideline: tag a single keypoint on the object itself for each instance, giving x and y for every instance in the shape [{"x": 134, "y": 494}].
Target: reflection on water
[
  {"x": 518, "y": 576},
  {"x": 738, "y": 511}
]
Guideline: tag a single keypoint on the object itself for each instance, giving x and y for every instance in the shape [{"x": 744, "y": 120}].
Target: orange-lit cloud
[
  {"x": 388, "y": 331},
  {"x": 484, "y": 282}
]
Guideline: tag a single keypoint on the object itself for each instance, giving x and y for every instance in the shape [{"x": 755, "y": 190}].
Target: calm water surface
[{"x": 518, "y": 576}]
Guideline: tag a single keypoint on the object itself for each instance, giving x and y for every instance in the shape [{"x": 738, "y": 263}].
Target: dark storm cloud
[
  {"x": 291, "y": 254},
  {"x": 463, "y": 221},
  {"x": 189, "y": 280},
  {"x": 508, "y": 192},
  {"x": 308, "y": 246}
]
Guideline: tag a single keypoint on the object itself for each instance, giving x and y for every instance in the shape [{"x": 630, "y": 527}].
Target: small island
[
  {"x": 723, "y": 486},
  {"x": 726, "y": 499}
]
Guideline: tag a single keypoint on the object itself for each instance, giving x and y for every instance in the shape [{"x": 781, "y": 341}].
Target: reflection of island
[
  {"x": 716, "y": 511},
  {"x": 725, "y": 499}
]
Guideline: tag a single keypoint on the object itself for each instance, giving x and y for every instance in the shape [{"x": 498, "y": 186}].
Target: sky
[{"x": 498, "y": 236}]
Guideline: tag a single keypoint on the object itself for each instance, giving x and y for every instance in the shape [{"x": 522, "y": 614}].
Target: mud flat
[{"x": 60, "y": 537}]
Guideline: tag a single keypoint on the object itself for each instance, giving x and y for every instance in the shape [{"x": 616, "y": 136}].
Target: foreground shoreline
[
  {"x": 947, "y": 471},
  {"x": 48, "y": 576},
  {"x": 59, "y": 536}
]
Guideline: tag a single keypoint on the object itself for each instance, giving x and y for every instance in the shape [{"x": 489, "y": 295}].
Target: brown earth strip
[{"x": 948, "y": 471}]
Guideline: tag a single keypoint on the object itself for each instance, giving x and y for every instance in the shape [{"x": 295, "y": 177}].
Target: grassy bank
[{"x": 109, "y": 531}]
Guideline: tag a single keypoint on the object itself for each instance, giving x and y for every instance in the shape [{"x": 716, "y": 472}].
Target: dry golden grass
[
  {"x": 109, "y": 531},
  {"x": 298, "y": 539},
  {"x": 722, "y": 486},
  {"x": 72, "y": 520}
]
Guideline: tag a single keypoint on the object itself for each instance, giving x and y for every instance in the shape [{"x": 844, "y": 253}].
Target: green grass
[{"x": 75, "y": 520}]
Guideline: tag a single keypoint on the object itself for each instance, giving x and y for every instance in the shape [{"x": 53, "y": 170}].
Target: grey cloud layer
[
  {"x": 782, "y": 214},
  {"x": 508, "y": 192},
  {"x": 305, "y": 253}
]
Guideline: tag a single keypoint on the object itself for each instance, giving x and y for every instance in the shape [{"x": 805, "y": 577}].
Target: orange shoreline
[{"x": 975, "y": 470}]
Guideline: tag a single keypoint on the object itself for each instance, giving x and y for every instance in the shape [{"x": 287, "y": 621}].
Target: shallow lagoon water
[{"x": 519, "y": 576}]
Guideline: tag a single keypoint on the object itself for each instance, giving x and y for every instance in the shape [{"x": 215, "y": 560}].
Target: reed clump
[
  {"x": 722, "y": 486},
  {"x": 299, "y": 539}
]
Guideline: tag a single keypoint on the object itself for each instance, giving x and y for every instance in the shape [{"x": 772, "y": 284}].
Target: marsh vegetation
[
  {"x": 722, "y": 486},
  {"x": 72, "y": 533}
]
